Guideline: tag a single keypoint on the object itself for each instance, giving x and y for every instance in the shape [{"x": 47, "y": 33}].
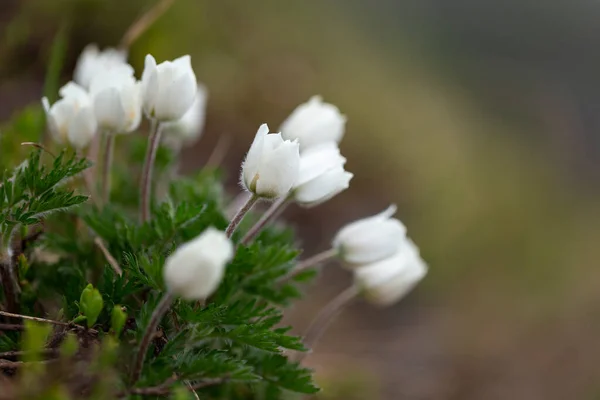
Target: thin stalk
[
  {"x": 159, "y": 312},
  {"x": 142, "y": 24},
  {"x": 276, "y": 208},
  {"x": 310, "y": 262},
  {"x": 49, "y": 321},
  {"x": 146, "y": 183},
  {"x": 239, "y": 216},
  {"x": 319, "y": 325},
  {"x": 109, "y": 146}
]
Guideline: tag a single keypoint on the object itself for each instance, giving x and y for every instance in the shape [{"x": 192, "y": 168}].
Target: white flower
[
  {"x": 271, "y": 166},
  {"x": 188, "y": 128},
  {"x": 117, "y": 99},
  {"x": 196, "y": 268},
  {"x": 71, "y": 119},
  {"x": 387, "y": 281},
  {"x": 370, "y": 239},
  {"x": 93, "y": 61},
  {"x": 321, "y": 176},
  {"x": 313, "y": 123},
  {"x": 168, "y": 89}
]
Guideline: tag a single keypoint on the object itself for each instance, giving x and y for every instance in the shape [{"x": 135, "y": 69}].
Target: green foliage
[{"x": 233, "y": 347}]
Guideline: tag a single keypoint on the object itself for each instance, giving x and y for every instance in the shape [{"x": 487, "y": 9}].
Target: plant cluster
[{"x": 122, "y": 279}]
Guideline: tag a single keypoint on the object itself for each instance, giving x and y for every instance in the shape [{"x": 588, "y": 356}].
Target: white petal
[
  {"x": 318, "y": 160},
  {"x": 278, "y": 170},
  {"x": 82, "y": 128},
  {"x": 322, "y": 188},
  {"x": 109, "y": 110},
  {"x": 176, "y": 97},
  {"x": 253, "y": 157},
  {"x": 149, "y": 85}
]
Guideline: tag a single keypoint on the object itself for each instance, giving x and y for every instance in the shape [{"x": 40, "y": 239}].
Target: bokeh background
[{"x": 480, "y": 119}]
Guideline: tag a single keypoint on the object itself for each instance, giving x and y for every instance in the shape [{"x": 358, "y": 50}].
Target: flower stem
[
  {"x": 310, "y": 262},
  {"x": 318, "y": 325},
  {"x": 272, "y": 213},
  {"x": 109, "y": 147},
  {"x": 146, "y": 184},
  {"x": 237, "y": 218},
  {"x": 159, "y": 312}
]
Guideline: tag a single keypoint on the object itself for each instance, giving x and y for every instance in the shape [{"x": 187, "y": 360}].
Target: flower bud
[
  {"x": 188, "y": 128},
  {"x": 196, "y": 268},
  {"x": 387, "y": 281},
  {"x": 313, "y": 123},
  {"x": 71, "y": 119},
  {"x": 117, "y": 99},
  {"x": 93, "y": 61},
  {"x": 118, "y": 317},
  {"x": 370, "y": 239},
  {"x": 321, "y": 175},
  {"x": 271, "y": 166},
  {"x": 168, "y": 89},
  {"x": 91, "y": 304}
]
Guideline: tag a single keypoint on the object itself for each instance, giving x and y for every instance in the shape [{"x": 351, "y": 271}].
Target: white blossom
[
  {"x": 386, "y": 281},
  {"x": 196, "y": 268},
  {"x": 321, "y": 175},
  {"x": 370, "y": 239},
  {"x": 71, "y": 119},
  {"x": 272, "y": 164},
  {"x": 188, "y": 128},
  {"x": 92, "y": 61},
  {"x": 314, "y": 123},
  {"x": 117, "y": 99},
  {"x": 169, "y": 88}
]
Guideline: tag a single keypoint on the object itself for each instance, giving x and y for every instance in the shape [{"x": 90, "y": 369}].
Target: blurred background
[{"x": 478, "y": 118}]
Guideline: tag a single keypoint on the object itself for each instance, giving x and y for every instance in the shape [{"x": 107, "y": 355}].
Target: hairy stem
[
  {"x": 146, "y": 183},
  {"x": 276, "y": 209},
  {"x": 109, "y": 146},
  {"x": 318, "y": 326},
  {"x": 310, "y": 262},
  {"x": 239, "y": 216},
  {"x": 167, "y": 387},
  {"x": 159, "y": 312}
]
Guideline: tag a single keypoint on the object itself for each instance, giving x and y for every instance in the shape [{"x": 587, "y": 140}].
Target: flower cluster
[
  {"x": 386, "y": 264},
  {"x": 106, "y": 97},
  {"x": 301, "y": 164}
]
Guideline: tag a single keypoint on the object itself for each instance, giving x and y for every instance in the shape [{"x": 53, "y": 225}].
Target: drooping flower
[
  {"x": 370, "y": 239},
  {"x": 271, "y": 165},
  {"x": 188, "y": 128},
  {"x": 71, "y": 119},
  {"x": 314, "y": 123},
  {"x": 168, "y": 89},
  {"x": 92, "y": 61},
  {"x": 196, "y": 268},
  {"x": 386, "y": 281},
  {"x": 117, "y": 99},
  {"x": 321, "y": 175}
]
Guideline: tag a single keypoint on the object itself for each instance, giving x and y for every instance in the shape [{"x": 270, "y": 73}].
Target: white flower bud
[
  {"x": 321, "y": 175},
  {"x": 168, "y": 89},
  {"x": 188, "y": 128},
  {"x": 271, "y": 166},
  {"x": 71, "y": 119},
  {"x": 117, "y": 99},
  {"x": 92, "y": 62},
  {"x": 370, "y": 239},
  {"x": 387, "y": 281},
  {"x": 313, "y": 123},
  {"x": 196, "y": 268}
]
